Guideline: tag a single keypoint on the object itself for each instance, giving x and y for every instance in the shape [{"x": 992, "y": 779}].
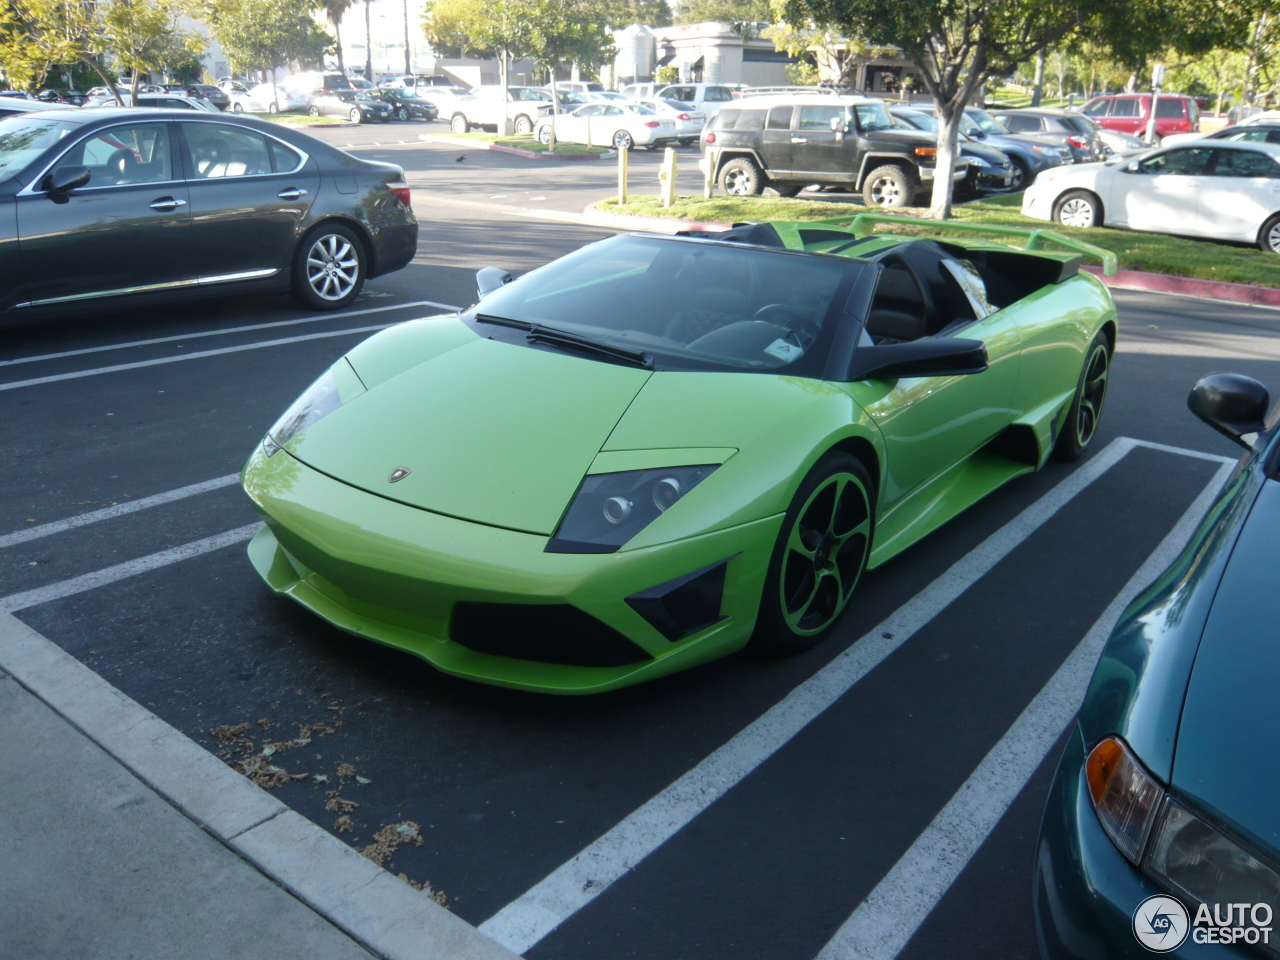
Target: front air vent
[
  {"x": 542, "y": 632},
  {"x": 681, "y": 607}
]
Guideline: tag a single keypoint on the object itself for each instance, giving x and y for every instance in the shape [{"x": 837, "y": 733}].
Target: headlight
[
  {"x": 1192, "y": 857},
  {"x": 1124, "y": 795},
  {"x": 1047, "y": 151},
  {"x": 611, "y": 508},
  {"x": 338, "y": 384}
]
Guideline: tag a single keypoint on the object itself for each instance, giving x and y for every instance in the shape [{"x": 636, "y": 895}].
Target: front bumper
[
  {"x": 393, "y": 573},
  {"x": 1085, "y": 891}
]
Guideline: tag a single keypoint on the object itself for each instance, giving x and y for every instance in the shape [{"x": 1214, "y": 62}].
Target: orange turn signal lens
[
  {"x": 926, "y": 151},
  {"x": 1124, "y": 795}
]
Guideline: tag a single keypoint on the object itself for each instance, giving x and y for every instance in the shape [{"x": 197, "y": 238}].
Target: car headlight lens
[
  {"x": 611, "y": 508},
  {"x": 1194, "y": 858},
  {"x": 337, "y": 385},
  {"x": 1047, "y": 151},
  {"x": 1124, "y": 795}
]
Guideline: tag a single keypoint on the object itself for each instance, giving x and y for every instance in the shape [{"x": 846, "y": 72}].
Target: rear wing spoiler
[{"x": 1034, "y": 241}]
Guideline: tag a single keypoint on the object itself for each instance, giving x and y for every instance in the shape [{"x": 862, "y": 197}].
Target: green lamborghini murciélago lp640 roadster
[{"x": 656, "y": 450}]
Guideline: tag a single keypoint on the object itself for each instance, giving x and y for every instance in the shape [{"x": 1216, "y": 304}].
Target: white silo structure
[{"x": 637, "y": 54}]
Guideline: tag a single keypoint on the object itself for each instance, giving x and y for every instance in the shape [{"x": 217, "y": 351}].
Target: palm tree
[{"x": 333, "y": 11}]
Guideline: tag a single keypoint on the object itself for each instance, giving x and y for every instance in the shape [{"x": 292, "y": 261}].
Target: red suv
[{"x": 1130, "y": 112}]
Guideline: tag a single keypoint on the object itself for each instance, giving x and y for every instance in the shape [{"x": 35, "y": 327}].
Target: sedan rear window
[
  {"x": 694, "y": 305},
  {"x": 22, "y": 140}
]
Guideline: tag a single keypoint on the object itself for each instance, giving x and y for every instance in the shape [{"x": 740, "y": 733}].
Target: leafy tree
[
  {"x": 37, "y": 35},
  {"x": 144, "y": 35},
  {"x": 824, "y": 42},
  {"x": 333, "y": 11},
  {"x": 746, "y": 18},
  {"x": 450, "y": 25},
  {"x": 268, "y": 34},
  {"x": 623, "y": 13}
]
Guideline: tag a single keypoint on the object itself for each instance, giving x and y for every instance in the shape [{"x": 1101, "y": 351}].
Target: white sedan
[
  {"x": 1222, "y": 189},
  {"x": 689, "y": 123},
  {"x": 619, "y": 125},
  {"x": 260, "y": 99}
]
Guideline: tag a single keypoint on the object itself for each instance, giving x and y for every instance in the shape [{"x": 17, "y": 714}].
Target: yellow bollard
[
  {"x": 709, "y": 176},
  {"x": 667, "y": 178},
  {"x": 622, "y": 175}
]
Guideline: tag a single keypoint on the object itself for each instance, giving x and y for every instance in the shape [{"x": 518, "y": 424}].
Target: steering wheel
[
  {"x": 926, "y": 298},
  {"x": 795, "y": 319}
]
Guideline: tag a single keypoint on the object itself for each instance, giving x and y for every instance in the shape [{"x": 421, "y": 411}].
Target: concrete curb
[
  {"x": 514, "y": 151},
  {"x": 376, "y": 909},
  {"x": 1123, "y": 280}
]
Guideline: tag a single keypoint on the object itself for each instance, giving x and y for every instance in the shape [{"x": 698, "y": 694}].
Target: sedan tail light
[
  {"x": 400, "y": 190},
  {"x": 1078, "y": 142},
  {"x": 683, "y": 116},
  {"x": 652, "y": 124}
]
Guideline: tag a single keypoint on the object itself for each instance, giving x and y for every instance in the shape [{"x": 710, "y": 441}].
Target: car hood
[
  {"x": 492, "y": 432},
  {"x": 903, "y": 137},
  {"x": 1229, "y": 734}
]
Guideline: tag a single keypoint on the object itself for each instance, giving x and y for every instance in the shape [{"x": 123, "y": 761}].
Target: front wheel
[
  {"x": 1021, "y": 178},
  {"x": 1078, "y": 208},
  {"x": 459, "y": 124},
  {"x": 524, "y": 126},
  {"x": 1086, "y": 405},
  {"x": 1269, "y": 235},
  {"x": 402, "y": 113},
  {"x": 355, "y": 116},
  {"x": 820, "y": 555},
  {"x": 328, "y": 268},
  {"x": 313, "y": 112},
  {"x": 889, "y": 186},
  {"x": 623, "y": 140},
  {"x": 237, "y": 108},
  {"x": 740, "y": 177},
  {"x": 273, "y": 108},
  {"x": 544, "y": 135}
]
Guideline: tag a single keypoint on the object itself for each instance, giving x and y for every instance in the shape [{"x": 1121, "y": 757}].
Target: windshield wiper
[
  {"x": 562, "y": 338},
  {"x": 538, "y": 333}
]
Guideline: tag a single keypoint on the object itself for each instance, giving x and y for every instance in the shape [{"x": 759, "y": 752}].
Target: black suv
[{"x": 789, "y": 142}]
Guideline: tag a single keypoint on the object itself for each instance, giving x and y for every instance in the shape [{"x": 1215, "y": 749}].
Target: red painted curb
[{"x": 1211, "y": 289}]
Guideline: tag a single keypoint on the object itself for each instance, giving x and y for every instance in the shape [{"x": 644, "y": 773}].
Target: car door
[
  {"x": 1125, "y": 115},
  {"x": 127, "y": 230},
  {"x": 575, "y": 127},
  {"x": 1160, "y": 193},
  {"x": 249, "y": 192},
  {"x": 775, "y": 140},
  {"x": 817, "y": 149},
  {"x": 1241, "y": 189}
]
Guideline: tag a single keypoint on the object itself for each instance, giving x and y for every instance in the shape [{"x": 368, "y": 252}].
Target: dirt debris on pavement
[
  {"x": 346, "y": 770},
  {"x": 343, "y": 824},
  {"x": 390, "y": 838},
  {"x": 336, "y": 804},
  {"x": 425, "y": 886}
]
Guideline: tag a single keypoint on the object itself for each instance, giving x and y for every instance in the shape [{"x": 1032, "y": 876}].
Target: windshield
[
  {"x": 691, "y": 305},
  {"x": 923, "y": 121},
  {"x": 987, "y": 123},
  {"x": 872, "y": 117},
  {"x": 23, "y": 139}
]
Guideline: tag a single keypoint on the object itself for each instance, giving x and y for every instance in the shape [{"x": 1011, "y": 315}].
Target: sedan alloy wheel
[
  {"x": 328, "y": 268},
  {"x": 402, "y": 113},
  {"x": 1078, "y": 209},
  {"x": 355, "y": 116},
  {"x": 623, "y": 140}
]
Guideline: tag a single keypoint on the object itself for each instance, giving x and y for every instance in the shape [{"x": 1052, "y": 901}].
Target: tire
[
  {"x": 524, "y": 126},
  {"x": 237, "y": 108},
  {"x": 740, "y": 177},
  {"x": 402, "y": 113},
  {"x": 544, "y": 134},
  {"x": 1021, "y": 174},
  {"x": 888, "y": 187},
  {"x": 686, "y": 141},
  {"x": 459, "y": 124},
  {"x": 1078, "y": 208},
  {"x": 819, "y": 557},
  {"x": 786, "y": 189},
  {"x": 623, "y": 140},
  {"x": 1269, "y": 235},
  {"x": 273, "y": 108},
  {"x": 355, "y": 116},
  {"x": 313, "y": 112},
  {"x": 385, "y": 118},
  {"x": 1086, "y": 406},
  {"x": 329, "y": 268}
]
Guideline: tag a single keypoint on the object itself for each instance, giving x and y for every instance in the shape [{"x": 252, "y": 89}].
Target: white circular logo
[{"x": 1161, "y": 923}]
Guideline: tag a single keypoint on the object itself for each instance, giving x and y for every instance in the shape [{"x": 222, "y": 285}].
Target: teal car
[
  {"x": 1161, "y": 831},
  {"x": 655, "y": 450}
]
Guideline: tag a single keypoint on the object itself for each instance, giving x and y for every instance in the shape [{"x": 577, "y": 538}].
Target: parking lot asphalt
[{"x": 508, "y": 787}]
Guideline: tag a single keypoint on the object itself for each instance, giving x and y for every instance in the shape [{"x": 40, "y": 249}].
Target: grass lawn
[
  {"x": 1011, "y": 98},
  {"x": 1201, "y": 259},
  {"x": 299, "y": 119}
]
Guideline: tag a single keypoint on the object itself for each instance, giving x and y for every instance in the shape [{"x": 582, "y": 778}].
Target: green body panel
[{"x": 498, "y": 438}]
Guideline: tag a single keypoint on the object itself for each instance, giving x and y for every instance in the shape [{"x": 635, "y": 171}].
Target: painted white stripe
[
  {"x": 158, "y": 361},
  {"x": 227, "y": 330},
  {"x": 883, "y": 923},
  {"x": 117, "y": 510},
  {"x": 130, "y": 568},
  {"x": 1186, "y": 452},
  {"x": 527, "y": 920}
]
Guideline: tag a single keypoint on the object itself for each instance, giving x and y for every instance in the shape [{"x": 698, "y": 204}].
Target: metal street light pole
[
  {"x": 368, "y": 44},
  {"x": 408, "y": 67}
]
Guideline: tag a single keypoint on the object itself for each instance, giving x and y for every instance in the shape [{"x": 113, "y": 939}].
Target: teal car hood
[
  {"x": 1229, "y": 735},
  {"x": 490, "y": 432}
]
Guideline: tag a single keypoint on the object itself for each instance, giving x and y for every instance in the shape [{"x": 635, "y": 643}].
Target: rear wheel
[
  {"x": 819, "y": 557},
  {"x": 237, "y": 108},
  {"x": 328, "y": 268},
  {"x": 1086, "y": 406},
  {"x": 314, "y": 112},
  {"x": 1078, "y": 208},
  {"x": 459, "y": 124},
  {"x": 888, "y": 186},
  {"x": 740, "y": 177},
  {"x": 1269, "y": 235},
  {"x": 273, "y": 108}
]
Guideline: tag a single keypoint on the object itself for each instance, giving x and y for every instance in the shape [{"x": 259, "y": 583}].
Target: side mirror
[
  {"x": 489, "y": 279},
  {"x": 929, "y": 357},
  {"x": 1234, "y": 405},
  {"x": 839, "y": 125},
  {"x": 65, "y": 179},
  {"x": 1132, "y": 167}
]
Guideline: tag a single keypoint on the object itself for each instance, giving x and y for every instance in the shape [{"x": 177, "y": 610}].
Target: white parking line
[
  {"x": 527, "y": 920},
  {"x": 158, "y": 361},
  {"x": 887, "y": 919},
  {"x": 117, "y": 510},
  {"x": 226, "y": 330},
  {"x": 130, "y": 568}
]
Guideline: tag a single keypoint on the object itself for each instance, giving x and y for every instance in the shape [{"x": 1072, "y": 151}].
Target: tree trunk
[
  {"x": 96, "y": 67},
  {"x": 1093, "y": 78},
  {"x": 949, "y": 115},
  {"x": 1037, "y": 90},
  {"x": 337, "y": 36},
  {"x": 368, "y": 45},
  {"x": 1221, "y": 94}
]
